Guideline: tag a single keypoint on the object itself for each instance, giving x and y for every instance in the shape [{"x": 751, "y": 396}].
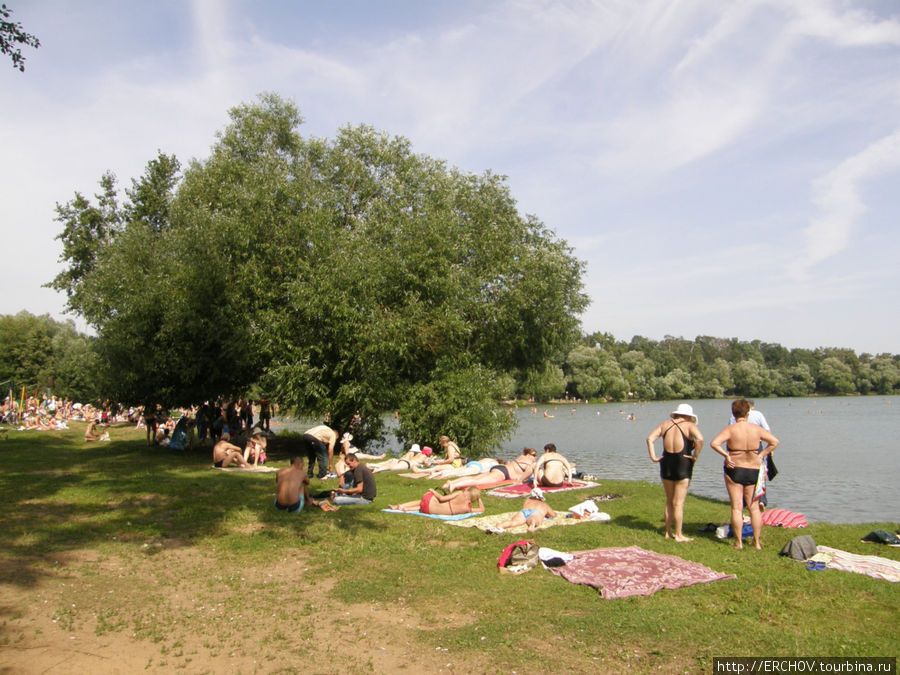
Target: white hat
[
  {"x": 686, "y": 410},
  {"x": 347, "y": 436},
  {"x": 415, "y": 448},
  {"x": 536, "y": 493}
]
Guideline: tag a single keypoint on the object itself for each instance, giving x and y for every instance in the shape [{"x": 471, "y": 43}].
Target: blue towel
[{"x": 458, "y": 516}]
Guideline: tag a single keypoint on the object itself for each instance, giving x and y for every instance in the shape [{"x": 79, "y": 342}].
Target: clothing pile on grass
[{"x": 819, "y": 558}]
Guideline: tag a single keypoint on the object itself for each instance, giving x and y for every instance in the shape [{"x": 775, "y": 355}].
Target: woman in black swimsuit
[
  {"x": 742, "y": 464},
  {"x": 682, "y": 441}
]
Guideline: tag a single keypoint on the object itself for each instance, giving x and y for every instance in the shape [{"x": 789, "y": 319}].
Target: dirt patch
[{"x": 183, "y": 609}]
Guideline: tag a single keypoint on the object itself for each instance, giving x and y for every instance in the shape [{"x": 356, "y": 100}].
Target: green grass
[{"x": 108, "y": 511}]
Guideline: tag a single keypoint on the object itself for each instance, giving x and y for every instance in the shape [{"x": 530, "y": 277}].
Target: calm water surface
[{"x": 837, "y": 461}]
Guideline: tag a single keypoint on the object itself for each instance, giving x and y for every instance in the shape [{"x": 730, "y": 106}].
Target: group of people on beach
[{"x": 746, "y": 444}]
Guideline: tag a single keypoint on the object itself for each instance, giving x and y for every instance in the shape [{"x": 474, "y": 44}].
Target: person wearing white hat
[
  {"x": 682, "y": 441},
  {"x": 414, "y": 457},
  {"x": 534, "y": 510}
]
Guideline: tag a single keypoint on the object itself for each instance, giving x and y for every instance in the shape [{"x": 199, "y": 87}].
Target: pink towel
[
  {"x": 620, "y": 572},
  {"x": 782, "y": 518}
]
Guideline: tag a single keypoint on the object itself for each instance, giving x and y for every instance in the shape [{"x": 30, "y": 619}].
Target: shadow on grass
[{"x": 61, "y": 495}]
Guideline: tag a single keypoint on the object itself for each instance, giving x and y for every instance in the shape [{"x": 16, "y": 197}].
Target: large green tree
[{"x": 347, "y": 276}]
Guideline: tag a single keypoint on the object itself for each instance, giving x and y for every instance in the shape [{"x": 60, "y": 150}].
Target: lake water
[{"x": 837, "y": 460}]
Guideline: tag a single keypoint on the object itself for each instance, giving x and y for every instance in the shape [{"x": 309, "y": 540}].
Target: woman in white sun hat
[{"x": 682, "y": 441}]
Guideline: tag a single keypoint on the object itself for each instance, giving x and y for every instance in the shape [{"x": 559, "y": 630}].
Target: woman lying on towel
[
  {"x": 473, "y": 468},
  {"x": 465, "y": 501},
  {"x": 519, "y": 470},
  {"x": 415, "y": 457}
]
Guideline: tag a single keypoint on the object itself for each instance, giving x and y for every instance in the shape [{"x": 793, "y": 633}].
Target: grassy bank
[{"x": 119, "y": 555}]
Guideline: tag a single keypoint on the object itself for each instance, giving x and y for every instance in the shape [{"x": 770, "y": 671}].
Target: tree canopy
[
  {"x": 11, "y": 34},
  {"x": 343, "y": 276}
]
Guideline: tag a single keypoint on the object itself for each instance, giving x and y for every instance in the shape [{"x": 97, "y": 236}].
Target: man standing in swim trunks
[
  {"x": 265, "y": 414},
  {"x": 682, "y": 441},
  {"x": 292, "y": 489}
]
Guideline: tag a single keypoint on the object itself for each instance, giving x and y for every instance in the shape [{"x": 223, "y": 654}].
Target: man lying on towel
[{"x": 292, "y": 485}]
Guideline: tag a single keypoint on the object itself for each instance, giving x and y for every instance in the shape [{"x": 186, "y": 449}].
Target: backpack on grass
[{"x": 518, "y": 557}]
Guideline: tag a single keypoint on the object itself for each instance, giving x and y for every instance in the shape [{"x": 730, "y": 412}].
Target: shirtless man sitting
[
  {"x": 225, "y": 454},
  {"x": 292, "y": 486}
]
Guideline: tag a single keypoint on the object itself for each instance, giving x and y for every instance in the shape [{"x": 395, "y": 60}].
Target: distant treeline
[
  {"x": 43, "y": 354},
  {"x": 711, "y": 367}
]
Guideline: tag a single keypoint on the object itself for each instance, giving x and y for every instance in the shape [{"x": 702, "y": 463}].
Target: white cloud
[
  {"x": 852, "y": 28},
  {"x": 837, "y": 196}
]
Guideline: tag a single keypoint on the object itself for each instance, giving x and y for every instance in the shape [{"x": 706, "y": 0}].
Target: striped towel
[
  {"x": 782, "y": 518},
  {"x": 870, "y": 565}
]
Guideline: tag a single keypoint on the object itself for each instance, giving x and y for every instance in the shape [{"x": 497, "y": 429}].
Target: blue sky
[{"x": 723, "y": 168}]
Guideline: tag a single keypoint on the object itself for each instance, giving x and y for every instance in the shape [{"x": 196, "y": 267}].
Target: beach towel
[
  {"x": 870, "y": 565},
  {"x": 485, "y": 486},
  {"x": 782, "y": 518},
  {"x": 622, "y": 572},
  {"x": 486, "y": 523},
  {"x": 237, "y": 469},
  {"x": 458, "y": 516},
  {"x": 522, "y": 489},
  {"x": 760, "y": 488}
]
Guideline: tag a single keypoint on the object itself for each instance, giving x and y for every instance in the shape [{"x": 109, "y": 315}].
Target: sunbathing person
[
  {"x": 433, "y": 502},
  {"x": 256, "y": 448},
  {"x": 226, "y": 454},
  {"x": 452, "y": 455},
  {"x": 472, "y": 468},
  {"x": 414, "y": 457},
  {"x": 292, "y": 485},
  {"x": 534, "y": 511},
  {"x": 518, "y": 470},
  {"x": 347, "y": 448},
  {"x": 552, "y": 469},
  {"x": 90, "y": 434}
]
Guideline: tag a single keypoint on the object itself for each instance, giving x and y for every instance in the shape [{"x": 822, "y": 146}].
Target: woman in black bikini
[
  {"x": 518, "y": 470},
  {"x": 682, "y": 441},
  {"x": 742, "y": 463}
]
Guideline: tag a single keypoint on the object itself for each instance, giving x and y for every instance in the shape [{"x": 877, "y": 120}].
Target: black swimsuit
[
  {"x": 677, "y": 465},
  {"x": 742, "y": 475}
]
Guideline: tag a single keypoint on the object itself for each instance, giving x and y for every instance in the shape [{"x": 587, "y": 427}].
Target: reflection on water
[{"x": 834, "y": 461}]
